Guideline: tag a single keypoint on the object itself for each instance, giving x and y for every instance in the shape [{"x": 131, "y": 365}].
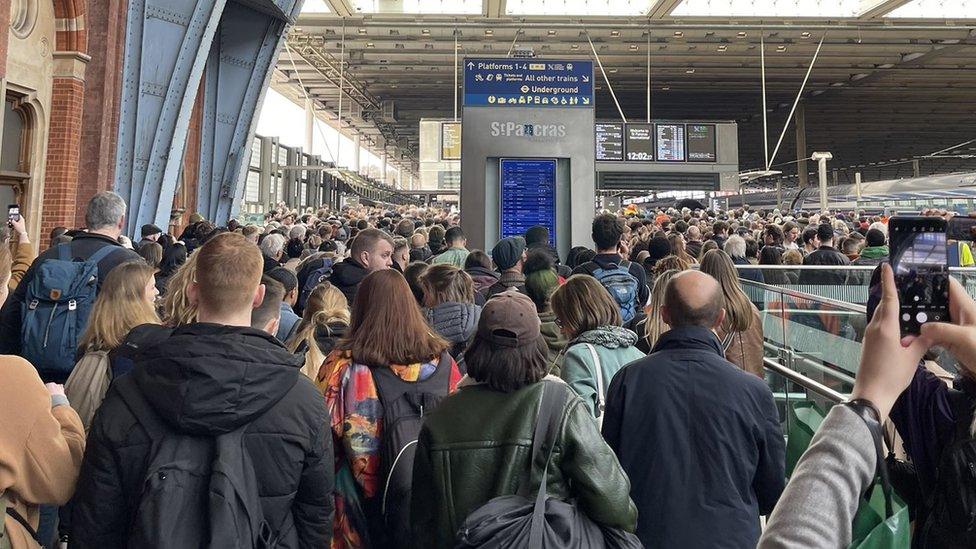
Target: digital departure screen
[
  {"x": 609, "y": 141},
  {"x": 671, "y": 142},
  {"x": 701, "y": 143},
  {"x": 640, "y": 142},
  {"x": 528, "y": 196}
]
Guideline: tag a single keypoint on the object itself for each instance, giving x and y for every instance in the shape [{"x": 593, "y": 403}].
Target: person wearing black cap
[
  {"x": 460, "y": 465},
  {"x": 509, "y": 257},
  {"x": 875, "y": 252},
  {"x": 150, "y": 233}
]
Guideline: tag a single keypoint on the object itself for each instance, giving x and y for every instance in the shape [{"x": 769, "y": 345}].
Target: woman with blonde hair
[
  {"x": 177, "y": 309},
  {"x": 324, "y": 322},
  {"x": 654, "y": 325},
  {"x": 127, "y": 300},
  {"x": 741, "y": 333},
  {"x": 598, "y": 345}
]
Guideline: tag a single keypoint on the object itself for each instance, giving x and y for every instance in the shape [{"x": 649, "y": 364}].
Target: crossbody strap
[
  {"x": 598, "y": 376},
  {"x": 12, "y": 513},
  {"x": 546, "y": 427}
]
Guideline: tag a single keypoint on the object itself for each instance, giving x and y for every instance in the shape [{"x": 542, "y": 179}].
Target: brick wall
[
  {"x": 61, "y": 178},
  {"x": 4, "y": 17},
  {"x": 103, "y": 78}
]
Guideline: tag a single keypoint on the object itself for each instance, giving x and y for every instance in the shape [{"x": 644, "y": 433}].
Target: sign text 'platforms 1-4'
[{"x": 528, "y": 82}]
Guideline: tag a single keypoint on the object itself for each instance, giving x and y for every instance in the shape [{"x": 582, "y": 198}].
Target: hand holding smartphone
[
  {"x": 919, "y": 258},
  {"x": 13, "y": 214}
]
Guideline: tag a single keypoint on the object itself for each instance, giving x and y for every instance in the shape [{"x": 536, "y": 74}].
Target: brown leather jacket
[{"x": 746, "y": 348}]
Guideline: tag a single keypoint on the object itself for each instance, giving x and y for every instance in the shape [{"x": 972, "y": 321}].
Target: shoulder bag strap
[
  {"x": 8, "y": 509},
  {"x": 143, "y": 412},
  {"x": 727, "y": 341},
  {"x": 598, "y": 376},
  {"x": 102, "y": 252},
  {"x": 64, "y": 251},
  {"x": 546, "y": 427}
]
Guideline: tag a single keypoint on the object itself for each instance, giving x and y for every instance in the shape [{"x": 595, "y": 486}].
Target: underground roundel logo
[{"x": 55, "y": 294}]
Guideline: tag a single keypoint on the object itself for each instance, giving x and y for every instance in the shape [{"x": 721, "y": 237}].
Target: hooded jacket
[
  {"x": 555, "y": 340},
  {"x": 482, "y": 277},
  {"x": 455, "y": 322},
  {"x": 346, "y": 276},
  {"x": 209, "y": 379},
  {"x": 614, "y": 347}
]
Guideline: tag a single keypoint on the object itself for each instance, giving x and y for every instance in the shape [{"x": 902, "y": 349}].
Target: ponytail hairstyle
[{"x": 326, "y": 305}]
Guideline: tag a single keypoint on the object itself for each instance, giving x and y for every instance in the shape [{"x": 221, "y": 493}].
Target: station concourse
[{"x": 506, "y": 157}]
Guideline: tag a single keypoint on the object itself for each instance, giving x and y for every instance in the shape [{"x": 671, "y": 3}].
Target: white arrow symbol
[
  {"x": 470, "y": 65},
  {"x": 586, "y": 78}
]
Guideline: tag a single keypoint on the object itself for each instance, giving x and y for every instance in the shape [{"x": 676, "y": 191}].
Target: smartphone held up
[
  {"x": 919, "y": 259},
  {"x": 13, "y": 214}
]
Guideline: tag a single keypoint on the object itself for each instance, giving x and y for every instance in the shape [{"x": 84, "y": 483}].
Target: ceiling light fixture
[
  {"x": 722, "y": 47},
  {"x": 362, "y": 31},
  {"x": 634, "y": 47},
  {"x": 614, "y": 33},
  {"x": 689, "y": 71},
  {"x": 574, "y": 46},
  {"x": 781, "y": 48},
  {"x": 551, "y": 32},
  {"x": 612, "y": 71},
  {"x": 665, "y": 88},
  {"x": 425, "y": 32},
  {"x": 489, "y": 32},
  {"x": 741, "y": 34},
  {"x": 370, "y": 44},
  {"x": 805, "y": 34},
  {"x": 678, "y": 34}
]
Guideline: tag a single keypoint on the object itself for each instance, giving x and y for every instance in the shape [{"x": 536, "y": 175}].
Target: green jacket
[
  {"x": 474, "y": 446},
  {"x": 555, "y": 340},
  {"x": 453, "y": 256},
  {"x": 615, "y": 348}
]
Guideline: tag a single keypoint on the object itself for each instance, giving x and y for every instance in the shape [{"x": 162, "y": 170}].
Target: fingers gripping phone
[
  {"x": 13, "y": 213},
  {"x": 920, "y": 262}
]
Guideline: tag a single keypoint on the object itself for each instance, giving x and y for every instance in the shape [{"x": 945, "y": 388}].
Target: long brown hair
[
  {"x": 738, "y": 308},
  {"x": 446, "y": 283},
  {"x": 387, "y": 326},
  {"x": 120, "y": 306},
  {"x": 679, "y": 249}
]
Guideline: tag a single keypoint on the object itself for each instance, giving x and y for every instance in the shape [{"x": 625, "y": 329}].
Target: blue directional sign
[{"x": 528, "y": 82}]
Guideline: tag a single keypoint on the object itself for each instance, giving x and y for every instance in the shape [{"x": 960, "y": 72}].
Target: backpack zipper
[
  {"x": 50, "y": 320},
  {"x": 386, "y": 488}
]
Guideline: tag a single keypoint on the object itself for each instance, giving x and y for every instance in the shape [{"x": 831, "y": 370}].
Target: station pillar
[{"x": 801, "y": 146}]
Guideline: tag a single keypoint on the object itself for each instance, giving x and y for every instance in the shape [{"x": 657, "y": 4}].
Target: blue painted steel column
[{"x": 168, "y": 44}]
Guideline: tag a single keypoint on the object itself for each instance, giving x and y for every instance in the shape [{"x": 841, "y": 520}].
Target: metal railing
[{"x": 804, "y": 381}]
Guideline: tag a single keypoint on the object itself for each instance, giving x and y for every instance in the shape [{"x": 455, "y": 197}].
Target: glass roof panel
[
  {"x": 578, "y": 7},
  {"x": 315, "y": 6},
  {"x": 460, "y": 7},
  {"x": 936, "y": 9},
  {"x": 767, "y": 8}
]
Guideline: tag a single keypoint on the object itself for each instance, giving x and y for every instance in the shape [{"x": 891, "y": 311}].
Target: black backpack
[
  {"x": 198, "y": 491},
  {"x": 951, "y": 504},
  {"x": 404, "y": 405}
]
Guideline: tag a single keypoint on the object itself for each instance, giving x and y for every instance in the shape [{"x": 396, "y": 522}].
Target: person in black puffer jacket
[
  {"x": 371, "y": 250},
  {"x": 450, "y": 308},
  {"x": 207, "y": 379}
]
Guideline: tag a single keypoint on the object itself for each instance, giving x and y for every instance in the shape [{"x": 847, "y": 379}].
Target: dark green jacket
[
  {"x": 476, "y": 444},
  {"x": 555, "y": 340}
]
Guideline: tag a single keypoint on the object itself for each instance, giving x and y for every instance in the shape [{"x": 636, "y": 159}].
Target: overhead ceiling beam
[
  {"x": 494, "y": 8},
  {"x": 662, "y": 8},
  {"x": 342, "y": 8},
  {"x": 870, "y": 9}
]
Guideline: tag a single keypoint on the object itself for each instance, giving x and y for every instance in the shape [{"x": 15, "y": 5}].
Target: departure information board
[
  {"x": 640, "y": 142},
  {"x": 701, "y": 143},
  {"x": 670, "y": 142},
  {"x": 528, "y": 196},
  {"x": 525, "y": 82},
  {"x": 609, "y": 141}
]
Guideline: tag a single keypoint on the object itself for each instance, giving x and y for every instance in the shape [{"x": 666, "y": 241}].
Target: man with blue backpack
[
  {"x": 48, "y": 311},
  {"x": 625, "y": 280}
]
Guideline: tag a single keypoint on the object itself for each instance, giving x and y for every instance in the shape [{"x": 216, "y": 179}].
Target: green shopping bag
[
  {"x": 881, "y": 521},
  {"x": 805, "y": 419}
]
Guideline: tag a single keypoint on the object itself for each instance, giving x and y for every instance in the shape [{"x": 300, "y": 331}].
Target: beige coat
[
  {"x": 746, "y": 349},
  {"x": 40, "y": 447}
]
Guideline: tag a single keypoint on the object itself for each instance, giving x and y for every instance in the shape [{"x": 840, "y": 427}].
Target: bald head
[{"x": 693, "y": 298}]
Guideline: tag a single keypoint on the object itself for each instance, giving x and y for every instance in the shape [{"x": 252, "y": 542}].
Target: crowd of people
[{"x": 362, "y": 378}]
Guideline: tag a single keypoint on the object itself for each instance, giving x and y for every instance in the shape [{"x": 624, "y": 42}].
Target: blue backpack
[
  {"x": 622, "y": 287},
  {"x": 56, "y": 307},
  {"x": 315, "y": 278}
]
